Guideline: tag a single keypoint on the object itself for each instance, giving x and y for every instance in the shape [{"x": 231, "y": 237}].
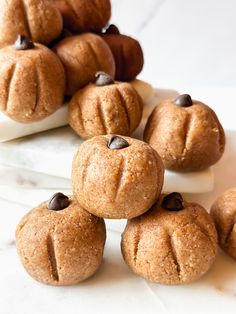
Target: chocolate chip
[
  {"x": 58, "y": 202},
  {"x": 173, "y": 202},
  {"x": 112, "y": 29},
  {"x": 117, "y": 142},
  {"x": 184, "y": 100},
  {"x": 103, "y": 79},
  {"x": 23, "y": 43}
]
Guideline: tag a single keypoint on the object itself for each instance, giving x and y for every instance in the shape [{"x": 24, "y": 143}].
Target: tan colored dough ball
[
  {"x": 109, "y": 109},
  {"x": 60, "y": 244},
  {"x": 186, "y": 133},
  {"x": 170, "y": 246},
  {"x": 116, "y": 177},
  {"x": 32, "y": 81}
]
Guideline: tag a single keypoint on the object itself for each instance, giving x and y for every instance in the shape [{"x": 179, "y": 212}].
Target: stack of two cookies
[{"x": 167, "y": 240}]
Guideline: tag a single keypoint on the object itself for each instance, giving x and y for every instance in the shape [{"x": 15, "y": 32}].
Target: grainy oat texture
[
  {"x": 83, "y": 56},
  {"x": 223, "y": 212},
  {"x": 170, "y": 247},
  {"x": 39, "y": 20},
  {"x": 186, "y": 138},
  {"x": 116, "y": 183},
  {"x": 32, "y": 83},
  {"x": 111, "y": 109},
  {"x": 60, "y": 247}
]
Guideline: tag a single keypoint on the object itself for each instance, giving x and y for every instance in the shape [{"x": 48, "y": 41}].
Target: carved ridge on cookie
[
  {"x": 187, "y": 128},
  {"x": 123, "y": 104},
  {"x": 229, "y": 234},
  {"x": 80, "y": 116},
  {"x": 94, "y": 5},
  {"x": 26, "y": 20},
  {"x": 37, "y": 90},
  {"x": 93, "y": 53},
  {"x": 70, "y": 6},
  {"x": 8, "y": 87},
  {"x": 119, "y": 176},
  {"x": 221, "y": 134},
  {"x": 205, "y": 232},
  {"x": 101, "y": 114},
  {"x": 137, "y": 239},
  {"x": 52, "y": 257},
  {"x": 174, "y": 255}
]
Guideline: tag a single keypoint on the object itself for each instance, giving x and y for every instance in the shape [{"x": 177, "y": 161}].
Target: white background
[{"x": 187, "y": 43}]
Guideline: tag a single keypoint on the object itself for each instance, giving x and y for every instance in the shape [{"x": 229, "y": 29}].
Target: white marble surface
[{"x": 187, "y": 44}]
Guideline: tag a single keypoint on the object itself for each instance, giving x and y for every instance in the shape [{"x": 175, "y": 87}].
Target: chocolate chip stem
[
  {"x": 58, "y": 201},
  {"x": 117, "y": 142},
  {"x": 103, "y": 79},
  {"x": 184, "y": 100},
  {"x": 23, "y": 43},
  {"x": 112, "y": 29},
  {"x": 173, "y": 202}
]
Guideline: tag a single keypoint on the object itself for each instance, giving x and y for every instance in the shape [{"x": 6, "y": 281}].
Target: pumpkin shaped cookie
[
  {"x": 38, "y": 20},
  {"x": 59, "y": 243},
  {"x": 116, "y": 177},
  {"x": 173, "y": 243},
  {"x": 83, "y": 56},
  {"x": 186, "y": 133},
  {"x": 84, "y": 15},
  {"x": 105, "y": 107},
  {"x": 223, "y": 212},
  {"x": 32, "y": 81},
  {"x": 127, "y": 53}
]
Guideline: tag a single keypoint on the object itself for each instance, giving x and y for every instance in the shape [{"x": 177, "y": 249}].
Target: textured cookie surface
[
  {"x": 84, "y": 15},
  {"x": 170, "y": 247},
  {"x": 116, "y": 183},
  {"x": 187, "y": 138},
  {"x": 223, "y": 212},
  {"x": 32, "y": 83},
  {"x": 60, "y": 247},
  {"x": 39, "y": 20},
  {"x": 128, "y": 56},
  {"x": 83, "y": 56},
  {"x": 110, "y": 109}
]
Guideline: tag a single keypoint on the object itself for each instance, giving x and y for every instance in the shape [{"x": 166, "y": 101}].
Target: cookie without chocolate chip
[
  {"x": 83, "y": 56},
  {"x": 32, "y": 81},
  {"x": 59, "y": 243},
  {"x": 116, "y": 176},
  {"x": 105, "y": 107},
  {"x": 223, "y": 212},
  {"x": 173, "y": 243},
  {"x": 186, "y": 133}
]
